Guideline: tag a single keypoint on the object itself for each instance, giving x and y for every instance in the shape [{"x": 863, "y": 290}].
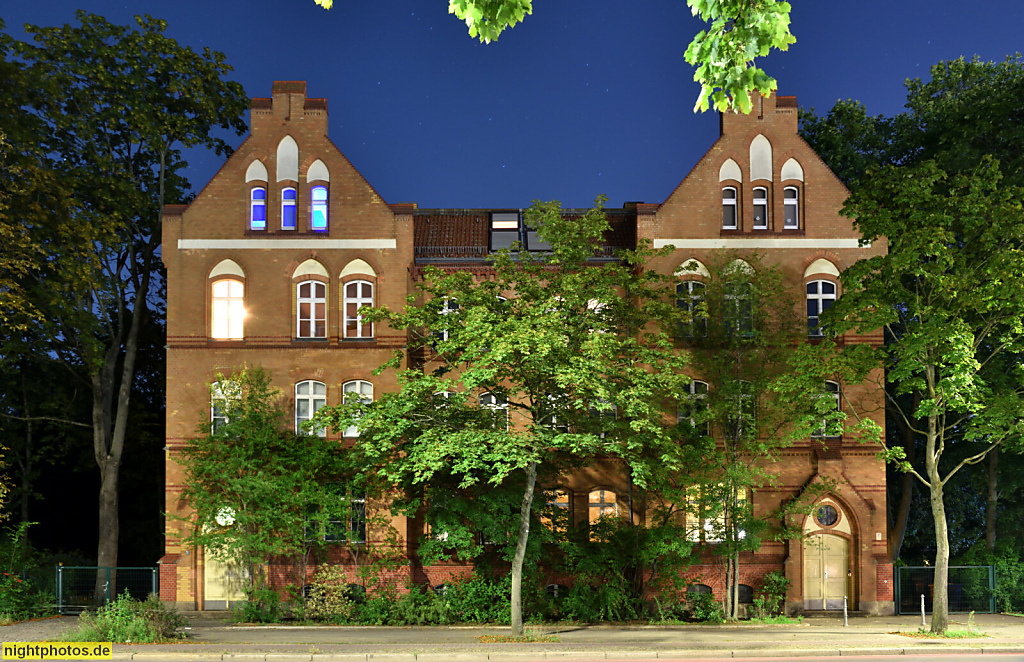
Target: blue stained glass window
[
  {"x": 318, "y": 208},
  {"x": 288, "y": 215},
  {"x": 258, "y": 208}
]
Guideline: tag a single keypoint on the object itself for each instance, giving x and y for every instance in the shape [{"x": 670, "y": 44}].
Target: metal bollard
[
  {"x": 846, "y": 620},
  {"x": 923, "y": 624}
]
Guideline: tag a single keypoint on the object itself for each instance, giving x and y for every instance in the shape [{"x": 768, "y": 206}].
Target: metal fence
[
  {"x": 85, "y": 587},
  {"x": 971, "y": 588}
]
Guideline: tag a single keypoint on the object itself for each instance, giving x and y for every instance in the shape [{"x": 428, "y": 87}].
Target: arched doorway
[{"x": 826, "y": 552}]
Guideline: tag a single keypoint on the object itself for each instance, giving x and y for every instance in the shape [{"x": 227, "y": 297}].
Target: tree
[
  {"x": 950, "y": 294},
  {"x": 258, "y": 491},
  {"x": 742, "y": 341},
  {"x": 548, "y": 362},
  {"x": 113, "y": 108},
  {"x": 724, "y": 54},
  {"x": 967, "y": 110}
]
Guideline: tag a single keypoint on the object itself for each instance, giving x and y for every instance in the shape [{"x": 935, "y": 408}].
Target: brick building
[{"x": 271, "y": 261}]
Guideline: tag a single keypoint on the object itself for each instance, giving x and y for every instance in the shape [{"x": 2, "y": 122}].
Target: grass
[
  {"x": 780, "y": 619},
  {"x": 525, "y": 639},
  {"x": 948, "y": 634}
]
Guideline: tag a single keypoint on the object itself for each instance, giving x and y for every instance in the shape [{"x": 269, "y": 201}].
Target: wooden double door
[{"x": 826, "y": 570}]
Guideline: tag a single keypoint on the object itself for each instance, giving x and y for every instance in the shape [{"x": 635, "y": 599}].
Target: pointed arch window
[
  {"x": 729, "y": 208},
  {"x": 258, "y": 208},
  {"x": 318, "y": 208},
  {"x": 311, "y": 309},
  {"x": 690, "y": 298},
  {"x": 357, "y": 391},
  {"x": 227, "y": 310},
  {"x": 288, "y": 208},
  {"x": 791, "y": 200},
  {"x": 760, "y": 208},
  {"x": 821, "y": 294},
  {"x": 358, "y": 295}
]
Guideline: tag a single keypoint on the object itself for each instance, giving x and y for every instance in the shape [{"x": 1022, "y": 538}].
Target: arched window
[
  {"x": 690, "y": 297},
  {"x": 318, "y": 208},
  {"x": 221, "y": 396},
  {"x": 356, "y": 392},
  {"x": 557, "y": 513},
  {"x": 358, "y": 293},
  {"x": 601, "y": 503},
  {"x": 227, "y": 309},
  {"x": 498, "y": 404},
  {"x": 791, "y": 198},
  {"x": 311, "y": 310},
  {"x": 289, "y": 214},
  {"x": 760, "y": 208},
  {"x": 309, "y": 397},
  {"x": 257, "y": 208},
  {"x": 693, "y": 408},
  {"x": 729, "y": 208},
  {"x": 821, "y": 294}
]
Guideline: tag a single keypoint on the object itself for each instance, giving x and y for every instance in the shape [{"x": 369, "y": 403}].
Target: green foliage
[
  {"x": 129, "y": 621},
  {"x": 547, "y": 342},
  {"x": 1009, "y": 563},
  {"x": 705, "y": 608},
  {"x": 328, "y": 600},
  {"x": 257, "y": 490},
  {"x": 771, "y": 600},
  {"x": 20, "y": 599},
  {"x": 486, "y": 19},
  {"x": 262, "y": 605},
  {"x": 739, "y": 32}
]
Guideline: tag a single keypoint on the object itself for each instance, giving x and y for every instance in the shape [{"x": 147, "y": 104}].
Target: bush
[
  {"x": 772, "y": 599},
  {"x": 129, "y": 621},
  {"x": 20, "y": 599},
  {"x": 328, "y": 599},
  {"x": 262, "y": 606},
  {"x": 704, "y": 608}
]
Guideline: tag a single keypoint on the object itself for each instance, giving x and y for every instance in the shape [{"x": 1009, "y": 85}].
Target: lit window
[
  {"x": 504, "y": 230},
  {"x": 694, "y": 407},
  {"x": 690, "y": 297},
  {"x": 821, "y": 294},
  {"x": 760, "y": 208},
  {"x": 358, "y": 293},
  {"x": 309, "y": 397},
  {"x": 356, "y": 392},
  {"x": 318, "y": 208},
  {"x": 288, "y": 210},
  {"x": 829, "y": 428},
  {"x": 228, "y": 309},
  {"x": 498, "y": 404},
  {"x": 601, "y": 504},
  {"x": 258, "y": 208},
  {"x": 557, "y": 514},
  {"x": 728, "y": 208},
  {"x": 220, "y": 395},
  {"x": 311, "y": 310},
  {"x": 708, "y": 512},
  {"x": 791, "y": 198}
]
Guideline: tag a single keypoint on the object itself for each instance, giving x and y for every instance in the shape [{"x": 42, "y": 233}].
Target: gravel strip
[{"x": 43, "y": 629}]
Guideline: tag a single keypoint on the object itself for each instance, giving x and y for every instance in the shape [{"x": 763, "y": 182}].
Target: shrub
[
  {"x": 328, "y": 600},
  {"x": 704, "y": 608},
  {"x": 20, "y": 599},
  {"x": 262, "y": 606},
  {"x": 772, "y": 598},
  {"x": 129, "y": 621}
]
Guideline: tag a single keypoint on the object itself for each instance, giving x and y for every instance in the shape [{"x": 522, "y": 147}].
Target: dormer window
[
  {"x": 504, "y": 230},
  {"x": 728, "y": 208},
  {"x": 257, "y": 208},
  {"x": 318, "y": 208},
  {"x": 760, "y": 208},
  {"x": 288, "y": 209}
]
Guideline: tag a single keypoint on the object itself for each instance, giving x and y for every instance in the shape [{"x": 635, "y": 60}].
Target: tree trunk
[
  {"x": 940, "y": 585},
  {"x": 517, "y": 560},
  {"x": 993, "y": 498}
]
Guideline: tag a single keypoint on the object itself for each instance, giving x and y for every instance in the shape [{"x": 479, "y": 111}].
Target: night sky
[{"x": 582, "y": 98}]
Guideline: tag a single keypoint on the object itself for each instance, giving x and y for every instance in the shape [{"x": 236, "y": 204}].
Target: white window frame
[
  {"x": 831, "y": 391},
  {"x": 760, "y": 199},
  {"x": 819, "y": 298},
  {"x": 292, "y": 204},
  {"x": 350, "y": 392},
  {"x": 354, "y": 524},
  {"x": 494, "y": 402},
  {"x": 448, "y": 306},
  {"x": 793, "y": 202},
  {"x": 227, "y": 309},
  {"x": 313, "y": 401},
  {"x": 730, "y": 203},
  {"x": 319, "y": 205},
  {"x": 688, "y": 298},
  {"x": 362, "y": 329},
  {"x": 218, "y": 417},
  {"x": 255, "y": 203},
  {"x": 696, "y": 395},
  {"x": 313, "y": 301}
]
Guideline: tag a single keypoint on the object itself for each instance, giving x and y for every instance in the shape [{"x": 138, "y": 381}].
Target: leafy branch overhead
[{"x": 724, "y": 54}]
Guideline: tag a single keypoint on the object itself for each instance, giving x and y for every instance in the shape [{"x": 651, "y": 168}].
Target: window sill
[{"x": 358, "y": 342}]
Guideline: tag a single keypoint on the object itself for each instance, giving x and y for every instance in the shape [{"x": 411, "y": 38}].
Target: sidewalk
[{"x": 213, "y": 639}]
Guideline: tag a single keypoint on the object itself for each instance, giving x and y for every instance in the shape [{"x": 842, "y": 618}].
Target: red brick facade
[{"x": 215, "y": 240}]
